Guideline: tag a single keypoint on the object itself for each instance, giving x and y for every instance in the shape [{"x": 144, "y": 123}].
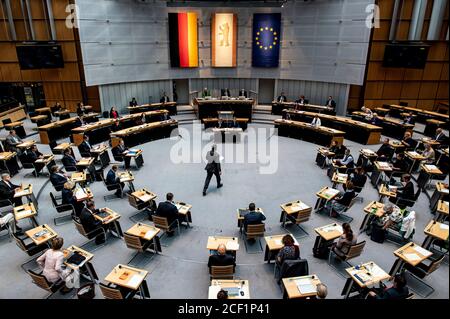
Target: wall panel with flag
[
  {"x": 266, "y": 40},
  {"x": 223, "y": 39},
  {"x": 183, "y": 39}
]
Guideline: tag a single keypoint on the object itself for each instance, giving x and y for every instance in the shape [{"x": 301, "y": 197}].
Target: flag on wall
[
  {"x": 266, "y": 40},
  {"x": 223, "y": 38},
  {"x": 183, "y": 39}
]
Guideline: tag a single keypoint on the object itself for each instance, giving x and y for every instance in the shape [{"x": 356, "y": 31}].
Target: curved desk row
[
  {"x": 144, "y": 133},
  {"x": 14, "y": 114},
  {"x": 356, "y": 131},
  {"x": 422, "y": 115},
  {"x": 57, "y": 130},
  {"x": 169, "y": 106},
  {"x": 391, "y": 127},
  {"x": 278, "y": 107},
  {"x": 304, "y": 131},
  {"x": 208, "y": 107}
]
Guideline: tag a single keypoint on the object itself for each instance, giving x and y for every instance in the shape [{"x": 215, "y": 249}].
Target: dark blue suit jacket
[
  {"x": 69, "y": 161},
  {"x": 168, "y": 210},
  {"x": 57, "y": 179},
  {"x": 111, "y": 178},
  {"x": 253, "y": 218}
]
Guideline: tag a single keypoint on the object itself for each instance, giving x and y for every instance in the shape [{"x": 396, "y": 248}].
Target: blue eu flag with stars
[{"x": 266, "y": 40}]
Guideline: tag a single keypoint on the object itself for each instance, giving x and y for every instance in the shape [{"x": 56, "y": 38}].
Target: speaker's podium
[
  {"x": 226, "y": 119},
  {"x": 227, "y": 130}
]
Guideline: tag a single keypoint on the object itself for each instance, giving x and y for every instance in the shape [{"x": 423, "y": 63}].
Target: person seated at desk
[
  {"x": 113, "y": 179},
  {"x": 165, "y": 117},
  {"x": 322, "y": 291},
  {"x": 253, "y": 217},
  {"x": 358, "y": 179},
  {"x": 221, "y": 258},
  {"x": 290, "y": 250},
  {"x": 281, "y": 98},
  {"x": 8, "y": 189},
  {"x": 113, "y": 114},
  {"x": 399, "y": 165},
  {"x": 222, "y": 294},
  {"x": 91, "y": 224},
  {"x": 408, "y": 141},
  {"x": 133, "y": 102},
  {"x": 118, "y": 152},
  {"x": 116, "y": 126},
  {"x": 330, "y": 102},
  {"x": 398, "y": 290},
  {"x": 11, "y": 142},
  {"x": 68, "y": 198},
  {"x": 57, "y": 176},
  {"x": 341, "y": 202},
  {"x": 164, "y": 98},
  {"x": 52, "y": 263},
  {"x": 243, "y": 92},
  {"x": 85, "y": 147},
  {"x": 316, "y": 121},
  {"x": 57, "y": 107},
  {"x": 344, "y": 242},
  {"x": 225, "y": 92},
  {"x": 9, "y": 220},
  {"x": 368, "y": 113},
  {"x": 441, "y": 138},
  {"x": 347, "y": 160},
  {"x": 409, "y": 119},
  {"x": 32, "y": 155},
  {"x": 80, "y": 109},
  {"x": 69, "y": 161},
  {"x": 429, "y": 154},
  {"x": 392, "y": 215},
  {"x": 384, "y": 151},
  {"x": 376, "y": 120},
  {"x": 206, "y": 93},
  {"x": 168, "y": 210},
  {"x": 405, "y": 189},
  {"x": 302, "y": 100}
]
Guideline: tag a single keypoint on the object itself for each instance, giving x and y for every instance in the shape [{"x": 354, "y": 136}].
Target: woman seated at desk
[
  {"x": 347, "y": 239},
  {"x": 113, "y": 114},
  {"x": 290, "y": 251},
  {"x": 429, "y": 154}
]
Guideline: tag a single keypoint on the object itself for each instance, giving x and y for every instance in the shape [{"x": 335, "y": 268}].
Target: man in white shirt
[
  {"x": 316, "y": 121},
  {"x": 9, "y": 220}
]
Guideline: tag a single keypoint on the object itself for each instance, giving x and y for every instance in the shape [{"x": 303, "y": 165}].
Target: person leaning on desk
[
  {"x": 91, "y": 225},
  {"x": 69, "y": 198},
  {"x": 221, "y": 258},
  {"x": 398, "y": 290},
  {"x": 347, "y": 239},
  {"x": 168, "y": 210}
]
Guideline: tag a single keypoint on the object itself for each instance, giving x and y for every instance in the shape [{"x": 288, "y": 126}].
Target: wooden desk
[
  {"x": 57, "y": 130},
  {"x": 41, "y": 234},
  {"x": 60, "y": 148},
  {"x": 231, "y": 243},
  {"x": 432, "y": 125},
  {"x": 422, "y": 115},
  {"x": 83, "y": 193},
  {"x": 364, "y": 276},
  {"x": 8, "y": 162},
  {"x": 127, "y": 177},
  {"x": 292, "y": 290},
  {"x": 324, "y": 195},
  {"x": 26, "y": 144},
  {"x": 426, "y": 173},
  {"x": 374, "y": 209},
  {"x": 322, "y": 155},
  {"x": 379, "y": 168},
  {"x": 209, "y": 107},
  {"x": 129, "y": 277},
  {"x": 442, "y": 210},
  {"x": 357, "y": 131},
  {"x": 214, "y": 122},
  {"x": 435, "y": 230},
  {"x": 144, "y": 195},
  {"x": 273, "y": 245},
  {"x": 147, "y": 233},
  {"x": 68, "y": 252},
  {"x": 321, "y": 135},
  {"x": 278, "y": 107},
  {"x": 27, "y": 192},
  {"x": 97, "y": 131},
  {"x": 241, "y": 212},
  {"x": 185, "y": 211},
  {"x": 169, "y": 106},
  {"x": 441, "y": 193},
  {"x": 144, "y": 133},
  {"x": 339, "y": 178},
  {"x": 384, "y": 192},
  {"x": 365, "y": 156},
  {"x": 40, "y": 120},
  {"x": 108, "y": 216},
  {"x": 410, "y": 253},
  {"x": 217, "y": 285},
  {"x": 44, "y": 111},
  {"x": 78, "y": 177},
  {"x": 85, "y": 162},
  {"x": 292, "y": 209},
  {"x": 27, "y": 211},
  {"x": 326, "y": 235},
  {"x": 391, "y": 127}
]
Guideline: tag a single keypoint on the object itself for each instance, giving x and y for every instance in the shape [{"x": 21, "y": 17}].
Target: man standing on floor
[{"x": 212, "y": 168}]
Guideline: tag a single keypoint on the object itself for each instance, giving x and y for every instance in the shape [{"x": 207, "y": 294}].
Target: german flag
[{"x": 183, "y": 40}]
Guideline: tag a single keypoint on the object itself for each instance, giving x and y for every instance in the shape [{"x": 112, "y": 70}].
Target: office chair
[
  {"x": 61, "y": 208},
  {"x": 42, "y": 282}
]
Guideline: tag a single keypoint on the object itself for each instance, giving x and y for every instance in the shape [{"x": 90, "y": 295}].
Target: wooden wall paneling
[
  {"x": 53, "y": 91},
  {"x": 442, "y": 92},
  {"x": 413, "y": 75},
  {"x": 8, "y": 52},
  {"x": 444, "y": 73},
  {"x": 11, "y": 72},
  {"x": 70, "y": 72},
  {"x": 41, "y": 30},
  {"x": 62, "y": 32},
  {"x": 50, "y": 75},
  {"x": 428, "y": 90},
  {"x": 382, "y": 32},
  {"x": 59, "y": 9},
  {"x": 69, "y": 51},
  {"x": 377, "y": 51},
  {"x": 386, "y": 7},
  {"x": 392, "y": 90},
  {"x": 376, "y": 72},
  {"x": 432, "y": 71},
  {"x": 374, "y": 89},
  {"x": 72, "y": 90},
  {"x": 394, "y": 74},
  {"x": 410, "y": 90},
  {"x": 407, "y": 9},
  {"x": 402, "y": 30},
  {"x": 21, "y": 31},
  {"x": 437, "y": 51},
  {"x": 426, "y": 104},
  {"x": 31, "y": 75}
]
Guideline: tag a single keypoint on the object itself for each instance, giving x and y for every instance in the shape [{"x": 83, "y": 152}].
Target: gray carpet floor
[{"x": 181, "y": 270}]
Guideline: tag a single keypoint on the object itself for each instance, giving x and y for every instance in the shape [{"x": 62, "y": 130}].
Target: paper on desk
[
  {"x": 444, "y": 226},
  {"x": 414, "y": 153},
  {"x": 376, "y": 271},
  {"x": 431, "y": 167},
  {"x": 278, "y": 242},
  {"x": 445, "y": 190},
  {"x": 134, "y": 281},
  {"x": 422, "y": 251},
  {"x": 149, "y": 234},
  {"x": 366, "y": 150},
  {"x": 232, "y": 245},
  {"x": 24, "y": 212},
  {"x": 331, "y": 192},
  {"x": 412, "y": 257}
]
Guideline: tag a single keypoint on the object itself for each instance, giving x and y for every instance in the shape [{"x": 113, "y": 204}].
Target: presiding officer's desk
[
  {"x": 278, "y": 107},
  {"x": 144, "y": 133},
  {"x": 208, "y": 107},
  {"x": 97, "y": 131},
  {"x": 58, "y": 130},
  {"x": 391, "y": 127},
  {"x": 214, "y": 122},
  {"x": 169, "y": 106},
  {"x": 356, "y": 131},
  {"x": 422, "y": 115},
  {"x": 319, "y": 135}
]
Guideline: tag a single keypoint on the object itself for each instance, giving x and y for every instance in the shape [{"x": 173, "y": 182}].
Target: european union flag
[{"x": 266, "y": 40}]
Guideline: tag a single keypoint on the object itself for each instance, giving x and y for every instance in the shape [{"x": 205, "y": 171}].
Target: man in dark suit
[
  {"x": 225, "y": 92},
  {"x": 408, "y": 141},
  {"x": 69, "y": 161},
  {"x": 407, "y": 191},
  {"x": 113, "y": 179},
  {"x": 385, "y": 150},
  {"x": 91, "y": 224},
  {"x": 221, "y": 258},
  {"x": 169, "y": 210},
  {"x": 33, "y": 154},
  {"x": 399, "y": 290},
  {"x": 118, "y": 152},
  {"x": 253, "y": 217},
  {"x": 8, "y": 189},
  {"x": 133, "y": 102},
  {"x": 302, "y": 100},
  {"x": 441, "y": 137},
  {"x": 243, "y": 93},
  {"x": 330, "y": 102},
  {"x": 164, "y": 98},
  {"x": 57, "y": 177},
  {"x": 85, "y": 147},
  {"x": 282, "y": 97},
  {"x": 68, "y": 197}
]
